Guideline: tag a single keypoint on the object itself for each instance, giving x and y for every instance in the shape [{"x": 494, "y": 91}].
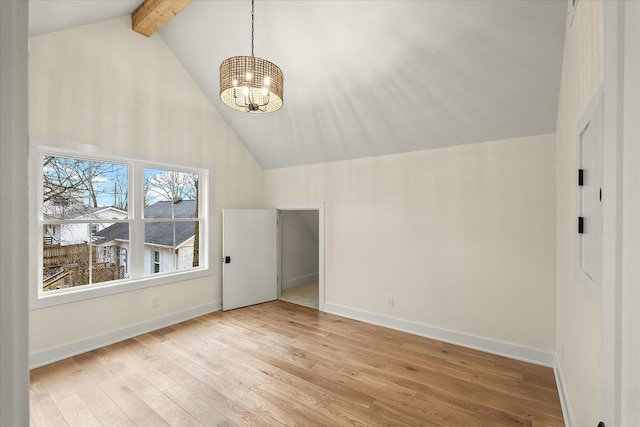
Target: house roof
[
  {"x": 158, "y": 233},
  {"x": 81, "y": 212}
]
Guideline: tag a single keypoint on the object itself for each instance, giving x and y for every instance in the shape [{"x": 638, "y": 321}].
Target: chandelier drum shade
[{"x": 251, "y": 84}]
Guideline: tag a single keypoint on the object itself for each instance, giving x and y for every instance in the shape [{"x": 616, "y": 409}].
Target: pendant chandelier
[{"x": 251, "y": 84}]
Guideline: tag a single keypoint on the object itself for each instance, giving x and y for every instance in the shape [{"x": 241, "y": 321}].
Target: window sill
[{"x": 82, "y": 293}]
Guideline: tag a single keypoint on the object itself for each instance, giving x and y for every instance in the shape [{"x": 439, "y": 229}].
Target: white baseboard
[
  {"x": 470, "y": 341},
  {"x": 55, "y": 354},
  {"x": 562, "y": 394},
  {"x": 299, "y": 281}
]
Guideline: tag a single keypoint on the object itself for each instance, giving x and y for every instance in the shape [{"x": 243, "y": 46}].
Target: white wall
[
  {"x": 105, "y": 85},
  {"x": 14, "y": 375},
  {"x": 579, "y": 317},
  {"x": 463, "y": 237},
  {"x": 299, "y": 246}
]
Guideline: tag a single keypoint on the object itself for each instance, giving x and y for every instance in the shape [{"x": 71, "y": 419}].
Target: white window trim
[{"x": 39, "y": 299}]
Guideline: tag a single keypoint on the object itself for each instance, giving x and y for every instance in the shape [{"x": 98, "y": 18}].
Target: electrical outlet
[
  {"x": 155, "y": 303},
  {"x": 390, "y": 300}
]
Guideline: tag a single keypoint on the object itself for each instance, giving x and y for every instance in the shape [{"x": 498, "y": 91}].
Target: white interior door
[{"x": 250, "y": 264}]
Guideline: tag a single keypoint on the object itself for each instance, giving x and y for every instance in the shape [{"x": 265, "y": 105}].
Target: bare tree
[
  {"x": 170, "y": 185},
  {"x": 67, "y": 181},
  {"x": 120, "y": 191},
  {"x": 62, "y": 180},
  {"x": 93, "y": 172}
]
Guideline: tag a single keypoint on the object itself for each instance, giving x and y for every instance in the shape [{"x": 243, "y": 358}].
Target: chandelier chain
[{"x": 252, "y": 28}]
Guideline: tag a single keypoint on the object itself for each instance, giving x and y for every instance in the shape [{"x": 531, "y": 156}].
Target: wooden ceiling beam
[{"x": 153, "y": 14}]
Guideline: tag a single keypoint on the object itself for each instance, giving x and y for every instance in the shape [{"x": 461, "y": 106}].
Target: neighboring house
[
  {"x": 168, "y": 246},
  {"x": 66, "y": 248},
  {"x": 71, "y": 234}
]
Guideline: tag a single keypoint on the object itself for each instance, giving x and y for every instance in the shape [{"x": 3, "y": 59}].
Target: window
[
  {"x": 93, "y": 228},
  {"x": 170, "y": 221},
  {"x": 156, "y": 262},
  {"x": 106, "y": 221}
]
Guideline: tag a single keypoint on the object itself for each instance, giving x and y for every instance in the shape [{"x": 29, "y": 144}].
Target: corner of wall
[{"x": 562, "y": 393}]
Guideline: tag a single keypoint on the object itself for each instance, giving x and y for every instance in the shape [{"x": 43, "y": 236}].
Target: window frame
[{"x": 135, "y": 263}]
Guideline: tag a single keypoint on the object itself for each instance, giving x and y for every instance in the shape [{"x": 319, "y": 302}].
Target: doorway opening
[{"x": 301, "y": 256}]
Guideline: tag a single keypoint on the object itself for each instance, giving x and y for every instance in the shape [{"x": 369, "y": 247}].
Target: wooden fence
[
  {"x": 68, "y": 266},
  {"x": 58, "y": 255}
]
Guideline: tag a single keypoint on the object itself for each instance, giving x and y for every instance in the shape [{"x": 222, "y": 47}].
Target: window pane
[
  {"x": 169, "y": 246},
  {"x": 170, "y": 194},
  {"x": 64, "y": 265},
  {"x": 67, "y": 265},
  {"x": 77, "y": 189},
  {"x": 189, "y": 251}
]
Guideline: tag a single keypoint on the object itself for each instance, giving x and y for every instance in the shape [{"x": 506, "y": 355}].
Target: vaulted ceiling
[{"x": 365, "y": 78}]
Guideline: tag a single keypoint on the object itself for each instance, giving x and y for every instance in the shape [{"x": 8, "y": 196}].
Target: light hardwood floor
[{"x": 283, "y": 364}]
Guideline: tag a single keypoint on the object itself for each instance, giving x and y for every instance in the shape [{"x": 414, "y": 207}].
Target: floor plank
[{"x": 283, "y": 364}]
